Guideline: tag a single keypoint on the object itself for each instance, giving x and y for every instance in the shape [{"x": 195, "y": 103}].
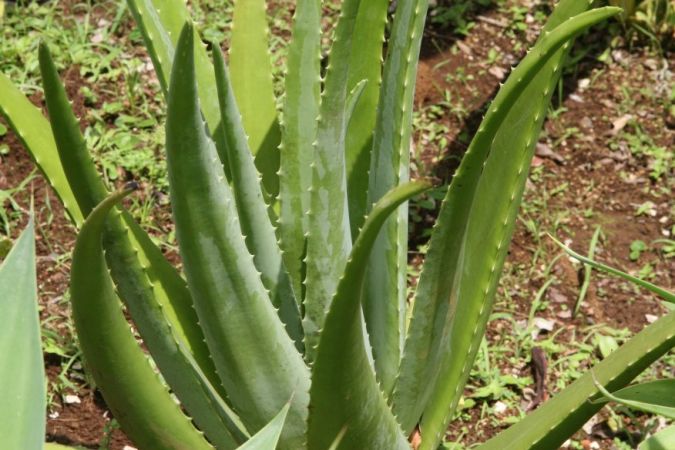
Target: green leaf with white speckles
[
  {"x": 257, "y": 361},
  {"x": 301, "y": 109},
  {"x": 385, "y": 296},
  {"x": 260, "y": 235},
  {"x": 165, "y": 318},
  {"x": 329, "y": 239},
  {"x": 132, "y": 390}
]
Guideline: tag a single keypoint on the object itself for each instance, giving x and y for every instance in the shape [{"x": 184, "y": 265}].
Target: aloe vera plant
[{"x": 295, "y": 285}]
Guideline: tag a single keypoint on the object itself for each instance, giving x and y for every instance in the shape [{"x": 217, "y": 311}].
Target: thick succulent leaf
[
  {"x": 34, "y": 131},
  {"x": 460, "y": 275},
  {"x": 251, "y": 71},
  {"x": 268, "y": 437},
  {"x": 156, "y": 318},
  {"x": 132, "y": 390},
  {"x": 329, "y": 236},
  {"x": 345, "y": 394},
  {"x": 22, "y": 387},
  {"x": 365, "y": 64},
  {"x": 160, "y": 23},
  {"x": 260, "y": 235},
  {"x": 663, "y": 293},
  {"x": 656, "y": 397},
  {"x": 663, "y": 440},
  {"x": 257, "y": 361},
  {"x": 384, "y": 303},
  {"x": 301, "y": 109},
  {"x": 554, "y": 422}
]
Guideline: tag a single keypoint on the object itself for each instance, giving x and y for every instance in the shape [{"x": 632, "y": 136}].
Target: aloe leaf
[
  {"x": 666, "y": 295},
  {"x": 251, "y": 72},
  {"x": 554, "y": 422},
  {"x": 468, "y": 246},
  {"x": 663, "y": 440},
  {"x": 384, "y": 303},
  {"x": 160, "y": 23},
  {"x": 34, "y": 131},
  {"x": 345, "y": 394},
  {"x": 365, "y": 64},
  {"x": 164, "y": 325},
  {"x": 299, "y": 127},
  {"x": 257, "y": 362},
  {"x": 656, "y": 397},
  {"x": 268, "y": 437},
  {"x": 260, "y": 234},
  {"x": 132, "y": 390},
  {"x": 329, "y": 236},
  {"x": 22, "y": 387}
]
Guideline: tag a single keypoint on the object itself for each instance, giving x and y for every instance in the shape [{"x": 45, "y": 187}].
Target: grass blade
[
  {"x": 22, "y": 390},
  {"x": 664, "y": 294},
  {"x": 345, "y": 394},
  {"x": 587, "y": 272},
  {"x": 257, "y": 362}
]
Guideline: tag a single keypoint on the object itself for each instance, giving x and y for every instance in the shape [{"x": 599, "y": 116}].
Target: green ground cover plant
[{"x": 277, "y": 292}]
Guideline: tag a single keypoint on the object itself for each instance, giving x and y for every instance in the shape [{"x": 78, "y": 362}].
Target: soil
[{"x": 610, "y": 183}]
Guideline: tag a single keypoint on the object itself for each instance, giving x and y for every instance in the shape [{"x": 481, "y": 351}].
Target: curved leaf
[
  {"x": 22, "y": 387},
  {"x": 34, "y": 131},
  {"x": 136, "y": 396},
  {"x": 656, "y": 397},
  {"x": 559, "y": 418},
  {"x": 168, "y": 328},
  {"x": 667, "y": 296},
  {"x": 345, "y": 396},
  {"x": 255, "y": 358},
  {"x": 663, "y": 440},
  {"x": 460, "y": 274}
]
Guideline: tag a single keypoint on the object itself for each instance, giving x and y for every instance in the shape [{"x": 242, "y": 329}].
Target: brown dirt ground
[{"x": 588, "y": 165}]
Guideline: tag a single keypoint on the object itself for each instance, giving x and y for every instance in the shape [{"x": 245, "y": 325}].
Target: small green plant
[{"x": 295, "y": 297}]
